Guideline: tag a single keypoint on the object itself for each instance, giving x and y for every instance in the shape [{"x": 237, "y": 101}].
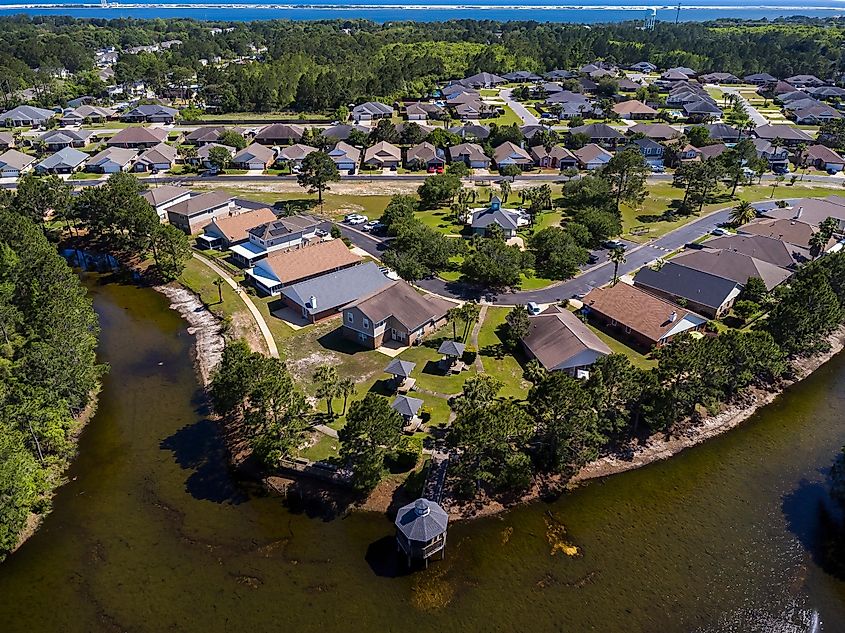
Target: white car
[
  {"x": 721, "y": 231},
  {"x": 357, "y": 219},
  {"x": 533, "y": 308}
]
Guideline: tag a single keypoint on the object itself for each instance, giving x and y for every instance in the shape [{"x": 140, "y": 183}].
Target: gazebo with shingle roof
[{"x": 421, "y": 530}]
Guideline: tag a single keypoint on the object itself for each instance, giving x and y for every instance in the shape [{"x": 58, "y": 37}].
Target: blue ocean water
[{"x": 589, "y": 11}]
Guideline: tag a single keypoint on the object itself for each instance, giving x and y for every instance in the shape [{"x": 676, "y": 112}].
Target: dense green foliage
[
  {"x": 48, "y": 369},
  {"x": 322, "y": 66},
  {"x": 261, "y": 391}
]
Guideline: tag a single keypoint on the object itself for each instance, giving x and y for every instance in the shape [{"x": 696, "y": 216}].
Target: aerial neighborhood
[{"x": 574, "y": 246}]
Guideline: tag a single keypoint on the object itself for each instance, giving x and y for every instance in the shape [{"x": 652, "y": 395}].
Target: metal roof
[{"x": 422, "y": 520}]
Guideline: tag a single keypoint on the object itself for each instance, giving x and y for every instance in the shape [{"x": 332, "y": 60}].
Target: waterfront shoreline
[
  {"x": 58, "y": 473},
  {"x": 207, "y": 330}
]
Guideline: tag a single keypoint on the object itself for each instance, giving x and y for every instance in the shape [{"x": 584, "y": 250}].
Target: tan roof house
[
  {"x": 634, "y": 109},
  {"x": 138, "y": 137},
  {"x": 234, "y": 229},
  {"x": 383, "y": 155},
  {"x": 196, "y": 212},
  {"x": 286, "y": 267},
  {"x": 639, "y": 316},
  {"x": 561, "y": 342}
]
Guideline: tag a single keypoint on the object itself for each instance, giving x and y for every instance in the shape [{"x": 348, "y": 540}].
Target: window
[
  {"x": 350, "y": 318},
  {"x": 366, "y": 324}
]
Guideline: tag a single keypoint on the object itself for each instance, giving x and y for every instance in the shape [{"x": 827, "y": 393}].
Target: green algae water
[{"x": 153, "y": 533}]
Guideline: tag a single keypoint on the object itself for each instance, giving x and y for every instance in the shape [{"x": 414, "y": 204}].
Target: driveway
[{"x": 520, "y": 110}]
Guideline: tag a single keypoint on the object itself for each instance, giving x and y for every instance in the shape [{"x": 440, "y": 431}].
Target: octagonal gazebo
[{"x": 421, "y": 530}]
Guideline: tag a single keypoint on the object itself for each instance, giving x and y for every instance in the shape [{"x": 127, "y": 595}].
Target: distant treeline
[
  {"x": 48, "y": 368},
  {"x": 321, "y": 65}
]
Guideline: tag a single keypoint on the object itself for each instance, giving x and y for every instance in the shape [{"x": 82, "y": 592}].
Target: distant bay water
[{"x": 589, "y": 11}]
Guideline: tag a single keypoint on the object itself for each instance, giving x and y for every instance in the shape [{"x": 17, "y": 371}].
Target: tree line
[
  {"x": 322, "y": 65},
  {"x": 48, "y": 368}
]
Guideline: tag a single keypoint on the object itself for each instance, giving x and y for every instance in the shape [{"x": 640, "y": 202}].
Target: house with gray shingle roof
[
  {"x": 371, "y": 111},
  {"x": 150, "y": 113},
  {"x": 14, "y": 163},
  {"x": 26, "y": 115},
  {"x": 254, "y": 157},
  {"x": 65, "y": 161},
  {"x": 508, "y": 220}
]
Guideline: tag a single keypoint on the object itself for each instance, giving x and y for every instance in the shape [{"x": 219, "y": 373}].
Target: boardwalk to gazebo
[{"x": 433, "y": 487}]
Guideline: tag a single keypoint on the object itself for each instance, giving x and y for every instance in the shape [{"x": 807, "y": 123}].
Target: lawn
[
  {"x": 618, "y": 347},
  {"x": 661, "y": 194},
  {"x": 290, "y": 117},
  {"x": 508, "y": 117},
  {"x": 323, "y": 449},
  {"x": 200, "y": 279},
  {"x": 507, "y": 368}
]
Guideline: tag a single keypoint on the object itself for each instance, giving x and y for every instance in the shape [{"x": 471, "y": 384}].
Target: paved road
[
  {"x": 753, "y": 112},
  {"x": 520, "y": 110},
  {"x": 595, "y": 276}
]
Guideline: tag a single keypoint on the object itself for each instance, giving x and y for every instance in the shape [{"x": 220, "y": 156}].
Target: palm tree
[
  {"x": 817, "y": 243},
  {"x": 219, "y": 283},
  {"x": 346, "y": 388},
  {"x": 742, "y": 213},
  {"x": 469, "y": 314},
  {"x": 778, "y": 179},
  {"x": 453, "y": 315},
  {"x": 617, "y": 256},
  {"x": 326, "y": 379}
]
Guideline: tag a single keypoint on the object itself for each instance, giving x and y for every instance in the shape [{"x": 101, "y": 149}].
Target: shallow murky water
[{"x": 153, "y": 533}]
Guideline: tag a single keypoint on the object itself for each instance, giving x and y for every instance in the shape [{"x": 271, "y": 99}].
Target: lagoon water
[
  {"x": 585, "y": 11},
  {"x": 153, "y": 533}
]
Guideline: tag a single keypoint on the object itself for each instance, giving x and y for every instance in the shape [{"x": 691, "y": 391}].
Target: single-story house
[
  {"x": 345, "y": 157},
  {"x": 85, "y": 113},
  {"x": 722, "y": 132},
  {"x": 561, "y": 342},
  {"x": 226, "y": 231},
  {"x": 655, "y": 131},
  {"x": 14, "y": 163},
  {"x": 255, "y": 157},
  {"x": 720, "y": 78},
  {"x": 325, "y": 296},
  {"x": 643, "y": 67},
  {"x": 283, "y": 268},
  {"x": 150, "y": 113},
  {"x": 160, "y": 157},
  {"x": 712, "y": 151},
  {"x": 508, "y": 220},
  {"x": 54, "y": 140},
  {"x": 804, "y": 81},
  {"x": 196, "y": 212},
  {"x": 789, "y": 134},
  {"x": 165, "y": 196},
  {"x": 383, "y": 155},
  {"x": 640, "y": 316},
  {"x": 342, "y": 131},
  {"x": 522, "y": 76},
  {"x": 689, "y": 153},
  {"x": 423, "y": 111},
  {"x": 471, "y": 131},
  {"x": 280, "y": 134},
  {"x": 816, "y": 114},
  {"x": 65, "y": 161},
  {"x": 558, "y": 157},
  {"x": 7, "y": 140},
  {"x": 824, "y": 158},
  {"x": 634, "y": 110},
  {"x": 424, "y": 156},
  {"x": 702, "y": 110},
  {"x": 471, "y": 154},
  {"x": 599, "y": 133},
  {"x": 509, "y": 153},
  {"x": 790, "y": 231},
  {"x": 294, "y": 154},
  {"x": 592, "y": 156},
  {"x": 26, "y": 116},
  {"x": 767, "y": 249},
  {"x": 484, "y": 80},
  {"x": 371, "y": 111},
  {"x": 111, "y": 160},
  {"x": 702, "y": 292},
  {"x": 813, "y": 211},
  {"x": 733, "y": 265},
  {"x": 760, "y": 79},
  {"x": 138, "y": 137},
  {"x": 395, "y": 312},
  {"x": 204, "y": 153},
  {"x": 209, "y": 134}
]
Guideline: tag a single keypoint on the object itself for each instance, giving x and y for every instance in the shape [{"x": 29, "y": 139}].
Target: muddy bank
[
  {"x": 202, "y": 325},
  {"x": 657, "y": 447}
]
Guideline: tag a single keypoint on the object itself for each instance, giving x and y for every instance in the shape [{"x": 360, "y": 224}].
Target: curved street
[{"x": 637, "y": 256}]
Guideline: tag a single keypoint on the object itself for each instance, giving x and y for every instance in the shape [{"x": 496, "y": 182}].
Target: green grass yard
[{"x": 507, "y": 368}]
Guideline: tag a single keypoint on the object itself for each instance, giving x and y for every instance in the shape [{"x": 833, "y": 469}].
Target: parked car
[
  {"x": 369, "y": 226},
  {"x": 592, "y": 258},
  {"x": 321, "y": 232},
  {"x": 780, "y": 170},
  {"x": 612, "y": 244},
  {"x": 533, "y": 308},
  {"x": 378, "y": 228},
  {"x": 356, "y": 218},
  {"x": 657, "y": 169},
  {"x": 721, "y": 231}
]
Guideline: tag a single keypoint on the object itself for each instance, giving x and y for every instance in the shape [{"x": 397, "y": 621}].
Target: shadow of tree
[{"x": 199, "y": 447}]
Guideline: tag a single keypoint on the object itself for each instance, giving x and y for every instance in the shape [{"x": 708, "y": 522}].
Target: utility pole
[{"x": 678, "y": 14}]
